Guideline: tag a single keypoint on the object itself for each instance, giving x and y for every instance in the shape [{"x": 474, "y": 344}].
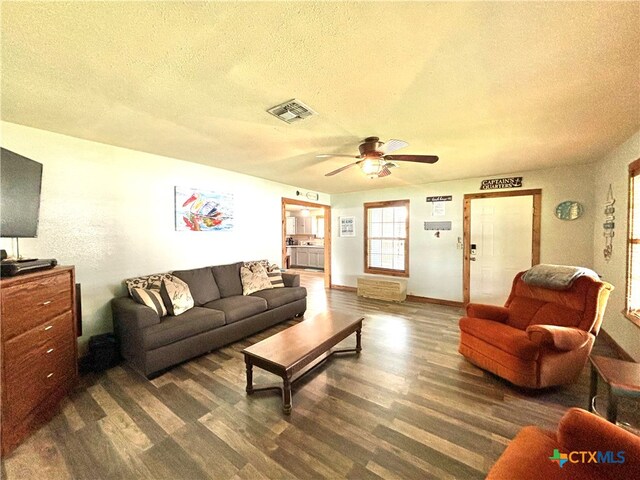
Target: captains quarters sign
[{"x": 509, "y": 182}]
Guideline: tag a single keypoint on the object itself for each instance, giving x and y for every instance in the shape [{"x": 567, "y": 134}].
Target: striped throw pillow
[
  {"x": 275, "y": 276},
  {"x": 150, "y": 298}
]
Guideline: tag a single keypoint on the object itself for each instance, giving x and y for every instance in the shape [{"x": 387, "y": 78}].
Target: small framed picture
[{"x": 347, "y": 226}]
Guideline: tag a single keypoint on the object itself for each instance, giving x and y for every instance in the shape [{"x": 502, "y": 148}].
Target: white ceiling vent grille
[{"x": 291, "y": 111}]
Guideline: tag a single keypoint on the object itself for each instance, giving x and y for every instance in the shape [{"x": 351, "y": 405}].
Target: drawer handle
[
  {"x": 48, "y": 327},
  {"x": 47, "y": 302},
  {"x": 50, "y": 375},
  {"x": 50, "y": 350}
]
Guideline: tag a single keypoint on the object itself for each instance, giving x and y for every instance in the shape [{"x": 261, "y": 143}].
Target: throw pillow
[
  {"x": 275, "y": 276},
  {"x": 176, "y": 296},
  {"x": 150, "y": 298},
  {"x": 148, "y": 282},
  {"x": 254, "y": 280},
  {"x": 253, "y": 263}
]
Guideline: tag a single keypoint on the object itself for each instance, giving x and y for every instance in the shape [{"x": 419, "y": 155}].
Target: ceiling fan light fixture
[{"x": 371, "y": 167}]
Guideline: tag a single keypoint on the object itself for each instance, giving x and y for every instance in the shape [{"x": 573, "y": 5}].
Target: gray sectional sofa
[{"x": 221, "y": 315}]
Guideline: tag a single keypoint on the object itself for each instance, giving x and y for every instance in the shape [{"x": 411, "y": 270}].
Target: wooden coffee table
[
  {"x": 622, "y": 380},
  {"x": 295, "y": 351}
]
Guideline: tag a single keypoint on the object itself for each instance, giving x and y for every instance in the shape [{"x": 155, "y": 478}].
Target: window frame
[
  {"x": 386, "y": 271},
  {"x": 634, "y": 175}
]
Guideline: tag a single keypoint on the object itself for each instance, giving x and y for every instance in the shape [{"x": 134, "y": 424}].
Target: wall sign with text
[{"x": 494, "y": 183}]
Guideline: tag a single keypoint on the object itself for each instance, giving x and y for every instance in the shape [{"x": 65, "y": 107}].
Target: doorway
[
  {"x": 501, "y": 238},
  {"x": 316, "y": 231}
]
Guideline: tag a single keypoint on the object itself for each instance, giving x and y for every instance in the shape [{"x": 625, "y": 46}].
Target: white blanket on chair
[{"x": 556, "y": 277}]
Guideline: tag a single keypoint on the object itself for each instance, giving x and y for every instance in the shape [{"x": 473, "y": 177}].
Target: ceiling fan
[{"x": 375, "y": 159}]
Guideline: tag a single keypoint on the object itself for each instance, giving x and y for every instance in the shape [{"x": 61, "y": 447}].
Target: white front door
[{"x": 501, "y": 245}]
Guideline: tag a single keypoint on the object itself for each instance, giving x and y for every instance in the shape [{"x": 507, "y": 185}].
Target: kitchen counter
[{"x": 305, "y": 246}]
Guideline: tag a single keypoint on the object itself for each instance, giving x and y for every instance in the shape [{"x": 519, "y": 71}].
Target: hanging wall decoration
[
  {"x": 199, "y": 210},
  {"x": 609, "y": 224}
]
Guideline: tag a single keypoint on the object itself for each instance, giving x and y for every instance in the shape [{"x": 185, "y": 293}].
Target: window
[
  {"x": 386, "y": 241},
  {"x": 633, "y": 245}
]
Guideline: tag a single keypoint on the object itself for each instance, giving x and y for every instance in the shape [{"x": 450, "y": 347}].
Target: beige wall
[
  {"x": 613, "y": 170},
  {"x": 110, "y": 212},
  {"x": 436, "y": 263}
]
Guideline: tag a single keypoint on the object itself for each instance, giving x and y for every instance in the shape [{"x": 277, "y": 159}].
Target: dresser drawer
[
  {"x": 38, "y": 342},
  {"x": 27, "y": 306},
  {"x": 29, "y": 382}
]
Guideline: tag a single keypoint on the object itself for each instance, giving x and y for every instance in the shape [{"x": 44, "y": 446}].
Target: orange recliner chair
[
  {"x": 541, "y": 337},
  {"x": 588, "y": 447}
]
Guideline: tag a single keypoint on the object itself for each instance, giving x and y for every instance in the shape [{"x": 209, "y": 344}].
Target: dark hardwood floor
[{"x": 408, "y": 407}]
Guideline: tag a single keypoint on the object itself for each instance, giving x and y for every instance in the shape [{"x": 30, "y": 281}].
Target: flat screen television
[{"x": 20, "y": 184}]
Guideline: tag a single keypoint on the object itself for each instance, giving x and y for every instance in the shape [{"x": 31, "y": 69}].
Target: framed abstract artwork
[{"x": 198, "y": 210}]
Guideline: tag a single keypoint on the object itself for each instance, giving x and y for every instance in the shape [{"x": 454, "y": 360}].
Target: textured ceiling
[{"x": 489, "y": 87}]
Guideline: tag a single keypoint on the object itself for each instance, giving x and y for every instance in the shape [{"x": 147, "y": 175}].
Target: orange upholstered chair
[
  {"x": 528, "y": 455},
  {"x": 541, "y": 337}
]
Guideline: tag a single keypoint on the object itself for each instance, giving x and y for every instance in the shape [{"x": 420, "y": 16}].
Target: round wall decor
[{"x": 569, "y": 210}]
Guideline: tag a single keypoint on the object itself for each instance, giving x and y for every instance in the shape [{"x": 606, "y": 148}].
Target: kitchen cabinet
[
  {"x": 307, "y": 257},
  {"x": 291, "y": 226},
  {"x": 304, "y": 226},
  {"x": 302, "y": 257},
  {"x": 316, "y": 257},
  {"x": 293, "y": 257}
]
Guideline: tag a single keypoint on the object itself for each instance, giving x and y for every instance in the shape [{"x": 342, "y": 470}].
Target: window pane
[
  {"x": 387, "y": 214},
  {"x": 375, "y": 260},
  {"x": 634, "y": 290},
  {"x": 375, "y": 246},
  {"x": 387, "y": 230},
  {"x": 400, "y": 214},
  {"x": 387, "y": 261},
  {"x": 636, "y": 208},
  {"x": 375, "y": 214}
]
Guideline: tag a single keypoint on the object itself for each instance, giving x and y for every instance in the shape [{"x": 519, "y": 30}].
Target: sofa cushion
[
  {"x": 276, "y": 297},
  {"x": 201, "y": 283},
  {"x": 238, "y": 307},
  {"x": 149, "y": 282},
  {"x": 522, "y": 310},
  {"x": 228, "y": 279},
  {"x": 176, "y": 296},
  {"x": 559, "y": 315},
  {"x": 508, "y": 339},
  {"x": 172, "y": 329},
  {"x": 275, "y": 276},
  {"x": 254, "y": 279},
  {"x": 150, "y": 298}
]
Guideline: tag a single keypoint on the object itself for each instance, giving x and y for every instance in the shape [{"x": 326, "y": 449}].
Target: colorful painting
[{"x": 203, "y": 211}]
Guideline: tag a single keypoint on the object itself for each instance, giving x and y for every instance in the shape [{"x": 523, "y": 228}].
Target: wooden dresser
[{"x": 38, "y": 349}]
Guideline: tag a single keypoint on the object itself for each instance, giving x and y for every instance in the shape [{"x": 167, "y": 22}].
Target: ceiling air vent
[{"x": 291, "y": 111}]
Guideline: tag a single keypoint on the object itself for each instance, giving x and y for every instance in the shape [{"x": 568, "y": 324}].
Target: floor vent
[{"x": 291, "y": 111}]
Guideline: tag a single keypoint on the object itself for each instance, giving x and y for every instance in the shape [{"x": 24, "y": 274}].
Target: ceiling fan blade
[
  {"x": 329, "y": 155},
  {"x": 385, "y": 172},
  {"x": 391, "y": 165},
  {"x": 413, "y": 158},
  {"x": 393, "y": 145},
  {"x": 341, "y": 169}
]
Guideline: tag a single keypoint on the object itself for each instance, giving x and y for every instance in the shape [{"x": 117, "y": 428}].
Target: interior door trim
[
  {"x": 327, "y": 233},
  {"x": 466, "y": 231}
]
